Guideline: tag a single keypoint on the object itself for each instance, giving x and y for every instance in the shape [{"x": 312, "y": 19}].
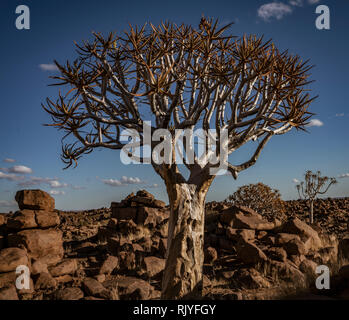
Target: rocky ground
[{"x": 119, "y": 253}]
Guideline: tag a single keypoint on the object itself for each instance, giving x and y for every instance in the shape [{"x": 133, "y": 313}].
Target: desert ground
[{"x": 118, "y": 253}]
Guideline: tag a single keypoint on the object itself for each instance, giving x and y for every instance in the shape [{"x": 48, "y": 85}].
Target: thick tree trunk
[{"x": 182, "y": 277}]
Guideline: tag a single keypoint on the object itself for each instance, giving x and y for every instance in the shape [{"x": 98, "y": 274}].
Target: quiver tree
[
  {"x": 261, "y": 198},
  {"x": 180, "y": 77},
  {"x": 313, "y": 185}
]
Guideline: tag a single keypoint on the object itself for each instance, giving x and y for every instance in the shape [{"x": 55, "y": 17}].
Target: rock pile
[
  {"x": 247, "y": 251},
  {"x": 30, "y": 238},
  {"x": 137, "y": 235}
]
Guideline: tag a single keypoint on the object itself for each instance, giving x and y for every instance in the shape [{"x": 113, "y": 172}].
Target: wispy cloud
[
  {"x": 57, "y": 184},
  {"x": 124, "y": 181},
  {"x": 296, "y": 3},
  {"x": 295, "y": 180},
  {"x": 57, "y": 192},
  {"x": 275, "y": 10},
  {"x": 10, "y": 176},
  {"x": 9, "y": 160},
  {"x": 315, "y": 123},
  {"x": 344, "y": 175},
  {"x": 48, "y": 67},
  {"x": 340, "y": 114},
  {"x": 77, "y": 187},
  {"x": 34, "y": 181},
  {"x": 278, "y": 10},
  {"x": 20, "y": 169}
]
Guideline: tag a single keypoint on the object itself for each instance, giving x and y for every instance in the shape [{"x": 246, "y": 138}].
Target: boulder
[
  {"x": 45, "y": 245},
  {"x": 308, "y": 267},
  {"x": 11, "y": 258},
  {"x": 24, "y": 219},
  {"x": 69, "y": 294},
  {"x": 210, "y": 255},
  {"x": 7, "y": 279},
  {"x": 2, "y": 219},
  {"x": 298, "y": 227},
  {"x": 250, "y": 279},
  {"x": 295, "y": 247},
  {"x": 154, "y": 266},
  {"x": 63, "y": 268},
  {"x": 241, "y": 217},
  {"x": 131, "y": 288},
  {"x": 124, "y": 213},
  {"x": 47, "y": 219},
  {"x": 45, "y": 281},
  {"x": 282, "y": 238},
  {"x": 237, "y": 234},
  {"x": 34, "y": 200},
  {"x": 277, "y": 254},
  {"x": 8, "y": 293},
  {"x": 94, "y": 288},
  {"x": 248, "y": 253},
  {"x": 38, "y": 267},
  {"x": 109, "y": 265}
]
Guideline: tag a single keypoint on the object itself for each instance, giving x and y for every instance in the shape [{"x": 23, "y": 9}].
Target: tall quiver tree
[
  {"x": 313, "y": 185},
  {"x": 180, "y": 78}
]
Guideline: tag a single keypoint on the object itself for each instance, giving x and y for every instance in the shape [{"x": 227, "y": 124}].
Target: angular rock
[
  {"x": 38, "y": 267},
  {"x": 8, "y": 293},
  {"x": 308, "y": 267},
  {"x": 250, "y": 279},
  {"x": 47, "y": 219},
  {"x": 295, "y": 247},
  {"x": 237, "y": 234},
  {"x": 63, "y": 268},
  {"x": 296, "y": 226},
  {"x": 7, "y": 279},
  {"x": 11, "y": 258},
  {"x": 69, "y": 294},
  {"x": 282, "y": 238},
  {"x": 45, "y": 281},
  {"x": 154, "y": 266},
  {"x": 24, "y": 219},
  {"x": 94, "y": 288},
  {"x": 2, "y": 219},
  {"x": 248, "y": 253},
  {"x": 109, "y": 265},
  {"x": 34, "y": 200},
  {"x": 240, "y": 217},
  {"x": 45, "y": 245},
  {"x": 131, "y": 288},
  {"x": 124, "y": 213},
  {"x": 210, "y": 255}
]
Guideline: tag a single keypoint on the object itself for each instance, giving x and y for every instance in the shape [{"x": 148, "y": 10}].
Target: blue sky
[{"x": 30, "y": 152}]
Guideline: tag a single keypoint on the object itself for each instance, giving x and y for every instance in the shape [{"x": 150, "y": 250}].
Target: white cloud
[
  {"x": 313, "y": 1},
  {"x": 340, "y": 114},
  {"x": 344, "y": 175},
  {"x": 296, "y": 3},
  {"x": 273, "y": 10},
  {"x": 152, "y": 186},
  {"x": 9, "y": 160},
  {"x": 124, "y": 181},
  {"x": 295, "y": 180},
  {"x": 57, "y": 184},
  {"x": 48, "y": 67},
  {"x": 315, "y": 123},
  {"x": 19, "y": 169},
  {"x": 56, "y": 192},
  {"x": 34, "y": 181},
  {"x": 10, "y": 176}
]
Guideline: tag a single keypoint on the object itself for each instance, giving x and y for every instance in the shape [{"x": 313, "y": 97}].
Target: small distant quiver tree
[
  {"x": 313, "y": 186},
  {"x": 180, "y": 78}
]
